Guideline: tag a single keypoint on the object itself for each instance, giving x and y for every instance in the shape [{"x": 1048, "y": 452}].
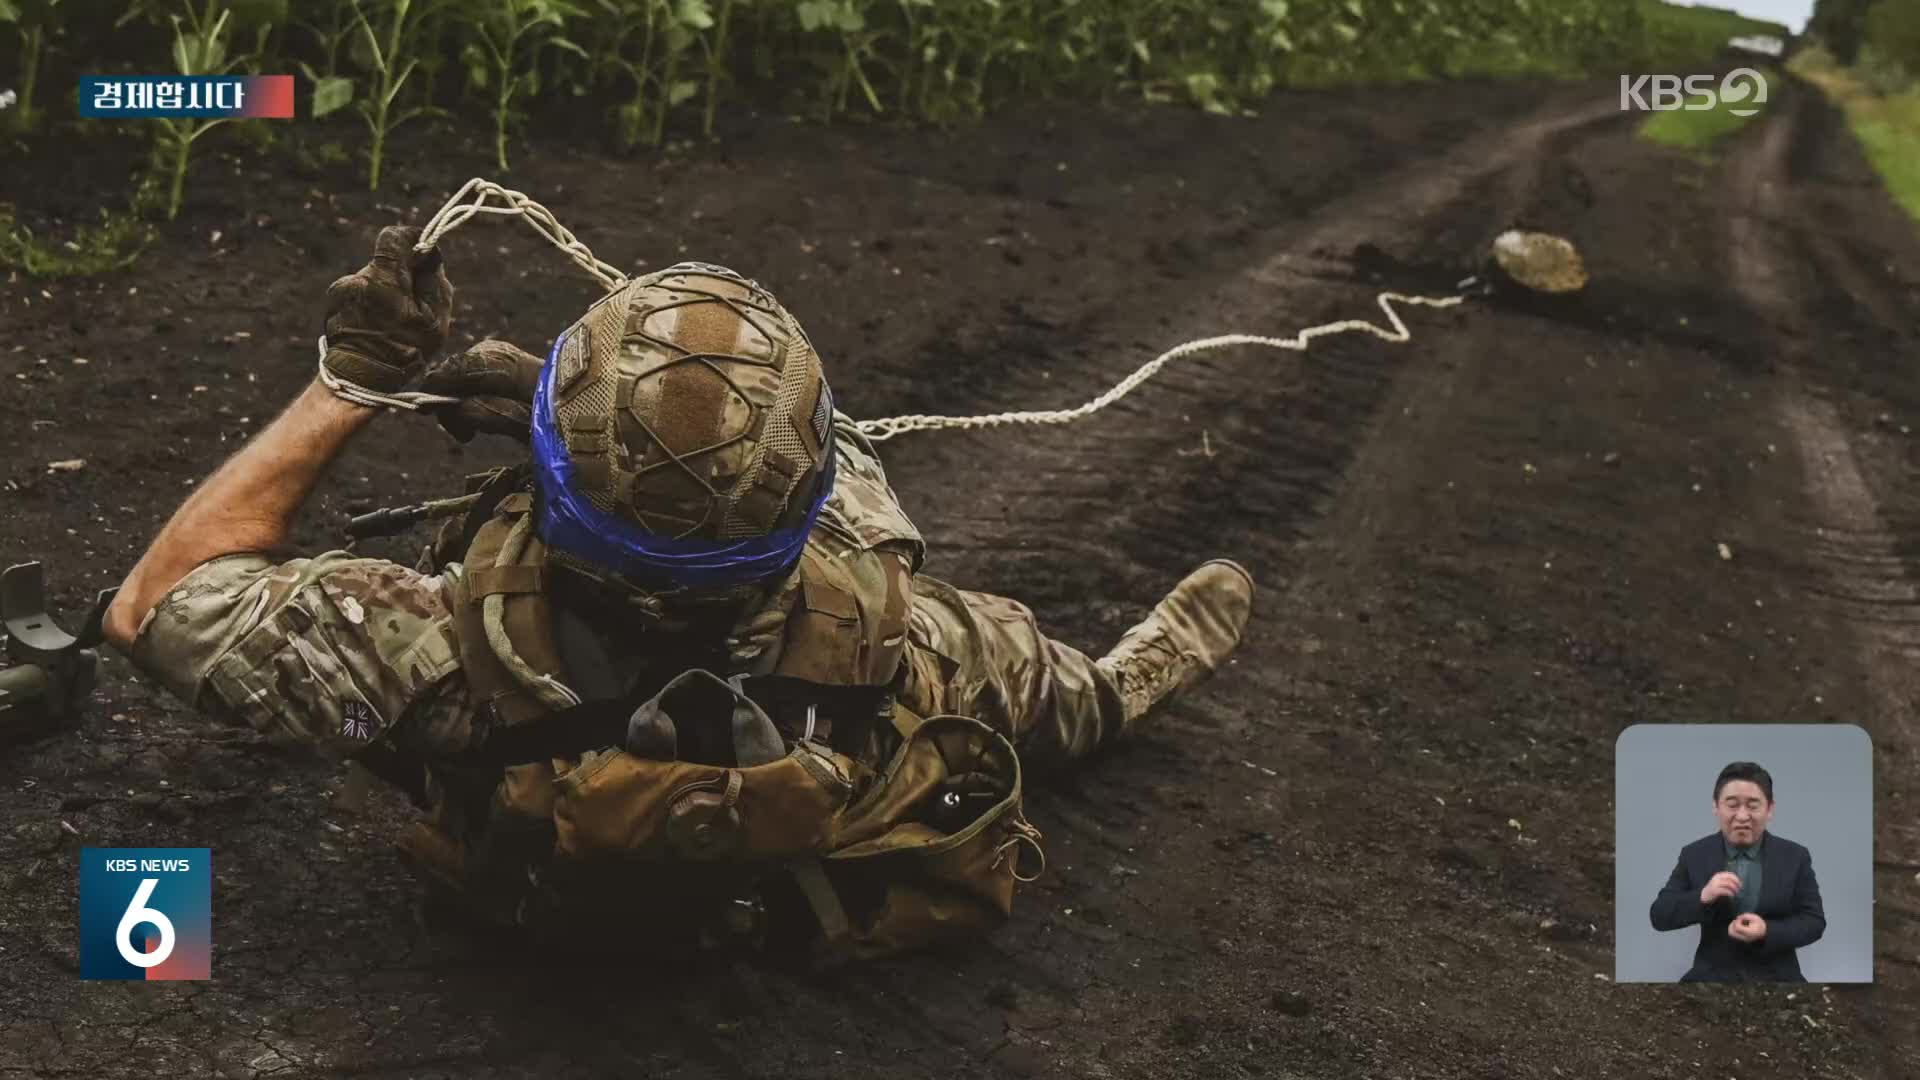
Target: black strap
[
  {"x": 590, "y": 725},
  {"x": 595, "y": 725},
  {"x": 404, "y": 770}
]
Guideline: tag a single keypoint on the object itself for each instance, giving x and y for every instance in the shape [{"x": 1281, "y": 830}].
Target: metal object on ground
[
  {"x": 1540, "y": 261},
  {"x": 48, "y": 672}
]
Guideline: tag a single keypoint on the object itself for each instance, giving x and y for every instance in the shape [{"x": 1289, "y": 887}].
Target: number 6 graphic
[{"x": 138, "y": 912}]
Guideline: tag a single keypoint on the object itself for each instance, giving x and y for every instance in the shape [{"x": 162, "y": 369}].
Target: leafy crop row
[
  {"x": 646, "y": 68},
  {"x": 937, "y": 60}
]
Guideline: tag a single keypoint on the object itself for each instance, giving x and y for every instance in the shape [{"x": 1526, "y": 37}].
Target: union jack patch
[{"x": 356, "y": 720}]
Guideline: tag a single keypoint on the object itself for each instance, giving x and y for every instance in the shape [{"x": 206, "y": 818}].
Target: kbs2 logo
[
  {"x": 146, "y": 913},
  {"x": 1742, "y": 91}
]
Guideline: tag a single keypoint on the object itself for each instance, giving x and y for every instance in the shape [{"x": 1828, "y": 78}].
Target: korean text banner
[{"x": 260, "y": 97}]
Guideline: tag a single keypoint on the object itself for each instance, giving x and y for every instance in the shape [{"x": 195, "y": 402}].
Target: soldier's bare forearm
[{"x": 248, "y": 504}]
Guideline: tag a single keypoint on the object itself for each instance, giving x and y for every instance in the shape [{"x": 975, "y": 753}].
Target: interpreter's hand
[
  {"x": 1723, "y": 884},
  {"x": 387, "y": 318},
  {"x": 1748, "y": 927},
  {"x": 495, "y": 381}
]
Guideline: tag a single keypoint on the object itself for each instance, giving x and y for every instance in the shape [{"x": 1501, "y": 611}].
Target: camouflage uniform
[
  {"x": 339, "y": 650},
  {"x": 692, "y": 501}
]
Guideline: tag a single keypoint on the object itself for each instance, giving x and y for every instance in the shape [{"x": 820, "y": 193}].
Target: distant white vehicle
[{"x": 1764, "y": 44}]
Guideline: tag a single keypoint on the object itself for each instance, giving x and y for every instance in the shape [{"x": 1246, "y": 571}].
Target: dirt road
[{"x": 1482, "y": 555}]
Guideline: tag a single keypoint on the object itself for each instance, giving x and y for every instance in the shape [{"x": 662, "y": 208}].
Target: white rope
[
  {"x": 472, "y": 199},
  {"x": 411, "y": 400},
  {"x": 882, "y": 430}
]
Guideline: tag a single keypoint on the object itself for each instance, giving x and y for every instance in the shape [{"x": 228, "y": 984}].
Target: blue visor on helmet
[{"x": 565, "y": 519}]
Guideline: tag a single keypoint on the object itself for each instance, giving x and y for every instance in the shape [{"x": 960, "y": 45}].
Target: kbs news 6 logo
[{"x": 146, "y": 913}]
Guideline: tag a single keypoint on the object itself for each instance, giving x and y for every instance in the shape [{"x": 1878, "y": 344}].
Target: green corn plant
[
  {"x": 332, "y": 91},
  {"x": 686, "y": 20},
  {"x": 717, "y": 47},
  {"x": 331, "y": 33},
  {"x": 388, "y": 58},
  {"x": 845, "y": 67},
  {"x": 260, "y": 18},
  {"x": 31, "y": 19},
  {"x": 665, "y": 31},
  {"x": 771, "y": 19},
  {"x": 199, "y": 48},
  {"x": 989, "y": 38},
  {"x": 1209, "y": 64},
  {"x": 935, "y": 51},
  {"x": 608, "y": 23},
  {"x": 1031, "y": 29},
  {"x": 437, "y": 46},
  {"x": 505, "y": 55},
  {"x": 649, "y": 42},
  {"x": 629, "y": 30},
  {"x": 921, "y": 41},
  {"x": 609, "y": 27}
]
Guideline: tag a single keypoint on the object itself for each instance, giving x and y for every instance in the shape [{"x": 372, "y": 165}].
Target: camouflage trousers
[{"x": 984, "y": 656}]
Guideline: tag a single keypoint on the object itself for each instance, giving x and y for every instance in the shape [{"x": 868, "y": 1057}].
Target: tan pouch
[
  {"x": 931, "y": 852},
  {"x": 616, "y": 804},
  {"x": 767, "y": 808}
]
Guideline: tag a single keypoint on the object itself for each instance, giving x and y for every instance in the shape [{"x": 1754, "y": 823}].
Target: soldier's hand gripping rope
[{"x": 384, "y": 320}]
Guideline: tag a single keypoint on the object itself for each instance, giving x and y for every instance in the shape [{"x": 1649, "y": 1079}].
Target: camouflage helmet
[{"x": 682, "y": 433}]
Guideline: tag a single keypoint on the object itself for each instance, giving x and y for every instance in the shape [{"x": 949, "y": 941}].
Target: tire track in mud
[
  {"x": 1085, "y": 474},
  {"x": 1356, "y": 410},
  {"x": 1852, "y": 537},
  {"x": 1130, "y": 470},
  {"x": 1130, "y": 488},
  {"x": 1261, "y": 442},
  {"x": 1864, "y": 578},
  {"x": 1375, "y": 492}
]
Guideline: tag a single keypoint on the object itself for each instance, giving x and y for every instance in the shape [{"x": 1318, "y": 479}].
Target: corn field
[
  {"x": 920, "y": 59},
  {"x": 654, "y": 69}
]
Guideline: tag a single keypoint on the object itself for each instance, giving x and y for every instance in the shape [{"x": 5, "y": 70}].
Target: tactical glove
[
  {"x": 495, "y": 381},
  {"x": 387, "y": 318}
]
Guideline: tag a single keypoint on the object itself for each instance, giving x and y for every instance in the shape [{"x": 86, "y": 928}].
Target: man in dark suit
[{"x": 1752, "y": 894}]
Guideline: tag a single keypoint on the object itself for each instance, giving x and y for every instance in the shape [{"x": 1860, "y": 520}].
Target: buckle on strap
[{"x": 841, "y": 716}]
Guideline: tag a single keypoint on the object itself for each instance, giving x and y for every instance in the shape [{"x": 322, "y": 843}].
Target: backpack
[{"x": 801, "y": 807}]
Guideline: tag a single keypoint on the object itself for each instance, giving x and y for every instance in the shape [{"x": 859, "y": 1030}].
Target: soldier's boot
[{"x": 1189, "y": 634}]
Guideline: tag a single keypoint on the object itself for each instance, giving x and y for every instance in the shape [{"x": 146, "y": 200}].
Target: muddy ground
[{"x": 1482, "y": 555}]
